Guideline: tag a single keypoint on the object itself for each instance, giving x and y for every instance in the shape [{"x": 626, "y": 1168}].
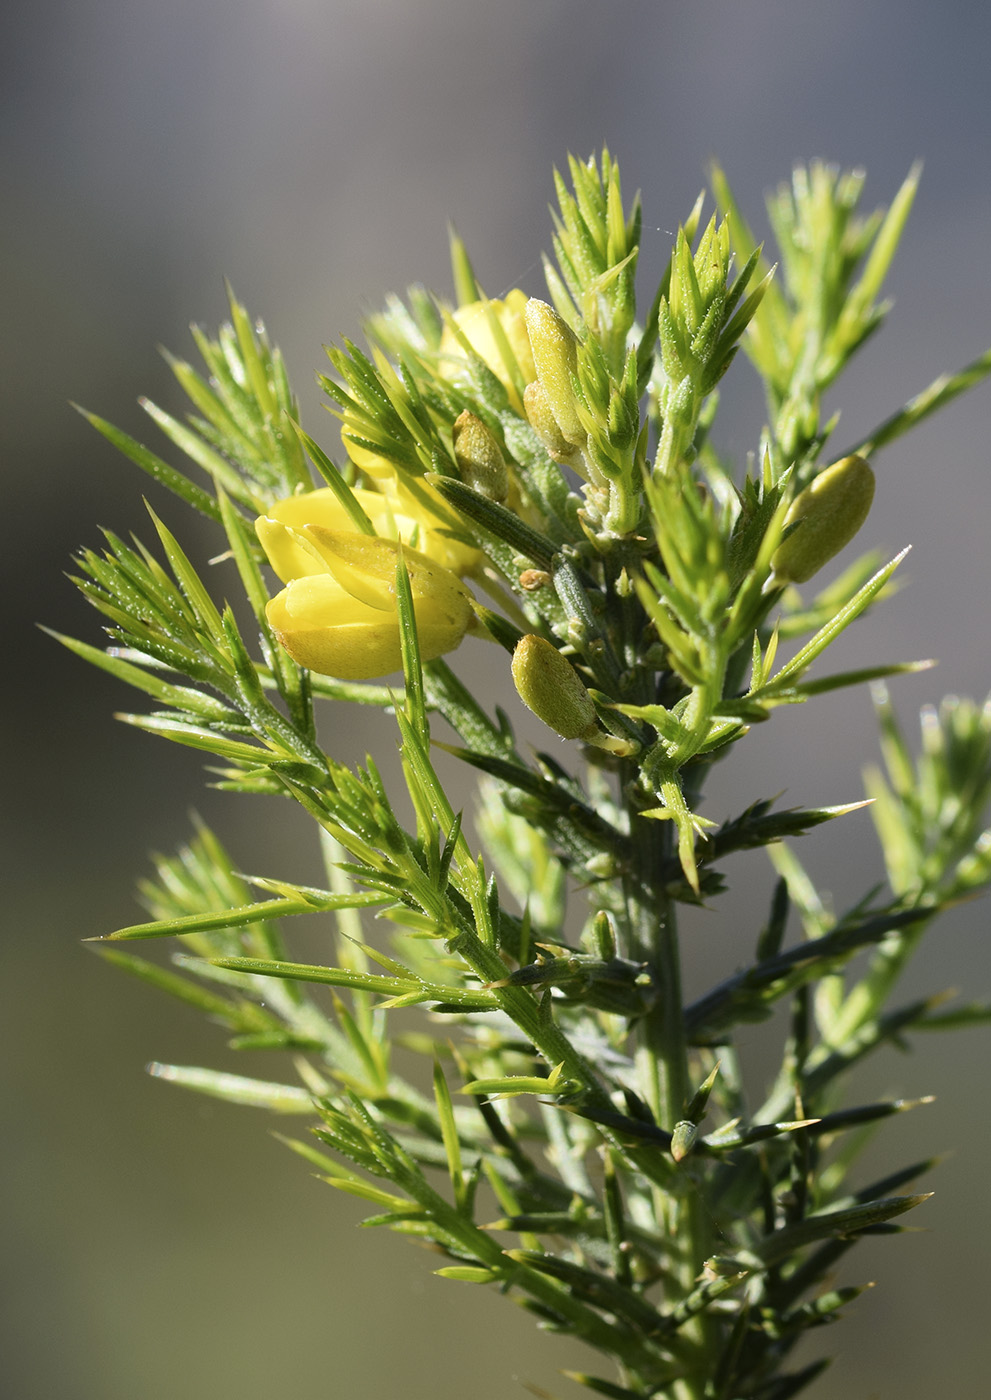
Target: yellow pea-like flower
[
  {"x": 337, "y": 614},
  {"x": 371, "y": 463},
  {"x": 394, "y": 511},
  {"x": 473, "y": 320}
]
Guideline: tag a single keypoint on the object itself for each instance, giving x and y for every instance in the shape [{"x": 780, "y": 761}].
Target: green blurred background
[{"x": 157, "y": 1246}]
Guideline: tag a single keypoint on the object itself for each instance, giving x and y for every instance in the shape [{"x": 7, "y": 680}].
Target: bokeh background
[{"x": 155, "y": 1245}]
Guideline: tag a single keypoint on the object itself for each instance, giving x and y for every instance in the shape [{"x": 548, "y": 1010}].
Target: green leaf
[
  {"x": 730, "y": 1138},
  {"x": 937, "y": 395},
  {"x": 470, "y": 998},
  {"x": 860, "y": 300},
  {"x": 759, "y": 827},
  {"x": 250, "y": 358},
  {"x": 512, "y": 1084},
  {"x": 169, "y": 982},
  {"x": 975, "y": 1013},
  {"x": 206, "y": 707},
  {"x": 817, "y": 645},
  {"x": 409, "y": 642},
  {"x": 211, "y": 462},
  {"x": 332, "y": 476},
  {"x": 237, "y": 918},
  {"x": 236, "y": 1088},
  {"x": 449, "y": 1134},
  {"x": 190, "y": 582},
  {"x": 773, "y": 1248},
  {"x": 182, "y": 732},
  {"x": 158, "y": 470},
  {"x": 468, "y": 1273},
  {"x": 496, "y": 520},
  {"x": 466, "y": 288},
  {"x": 806, "y": 689},
  {"x": 600, "y": 1386}
]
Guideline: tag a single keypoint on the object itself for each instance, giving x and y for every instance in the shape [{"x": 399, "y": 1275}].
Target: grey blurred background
[{"x": 157, "y": 1246}]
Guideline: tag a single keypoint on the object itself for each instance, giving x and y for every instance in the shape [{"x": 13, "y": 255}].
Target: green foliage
[{"x": 643, "y": 1201}]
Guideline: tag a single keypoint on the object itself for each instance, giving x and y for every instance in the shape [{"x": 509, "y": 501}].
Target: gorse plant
[{"x": 541, "y": 474}]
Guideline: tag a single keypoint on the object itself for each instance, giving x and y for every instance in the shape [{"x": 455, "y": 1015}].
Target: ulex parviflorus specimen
[{"x": 538, "y": 473}]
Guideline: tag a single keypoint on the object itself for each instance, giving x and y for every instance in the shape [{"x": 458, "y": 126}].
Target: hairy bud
[
  {"x": 555, "y": 356},
  {"x": 545, "y": 425},
  {"x": 479, "y": 459},
  {"x": 827, "y": 515},
  {"x": 550, "y": 686},
  {"x": 683, "y": 1139}
]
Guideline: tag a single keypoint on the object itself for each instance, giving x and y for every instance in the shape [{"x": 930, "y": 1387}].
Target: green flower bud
[
  {"x": 550, "y": 686},
  {"x": 555, "y": 357},
  {"x": 829, "y": 513},
  {"x": 545, "y": 425},
  {"x": 478, "y": 457},
  {"x": 683, "y": 1139}
]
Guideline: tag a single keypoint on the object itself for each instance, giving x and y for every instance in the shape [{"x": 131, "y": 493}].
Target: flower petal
[
  {"x": 325, "y": 629},
  {"x": 290, "y": 554}
]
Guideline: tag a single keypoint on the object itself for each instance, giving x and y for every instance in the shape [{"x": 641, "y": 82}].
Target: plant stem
[{"x": 662, "y": 1065}]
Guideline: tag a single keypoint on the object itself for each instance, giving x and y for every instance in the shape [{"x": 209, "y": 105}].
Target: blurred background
[{"x": 155, "y": 1245}]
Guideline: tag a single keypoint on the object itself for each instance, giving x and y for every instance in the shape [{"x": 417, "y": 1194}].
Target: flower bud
[
  {"x": 555, "y": 356},
  {"x": 683, "y": 1139},
  {"x": 545, "y": 425},
  {"x": 829, "y": 513},
  {"x": 550, "y": 686},
  {"x": 479, "y": 459}
]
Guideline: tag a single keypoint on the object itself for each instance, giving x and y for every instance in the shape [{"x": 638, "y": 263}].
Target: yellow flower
[
  {"x": 337, "y": 614},
  {"x": 474, "y": 321},
  {"x": 371, "y": 463},
  {"x": 394, "y": 511}
]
